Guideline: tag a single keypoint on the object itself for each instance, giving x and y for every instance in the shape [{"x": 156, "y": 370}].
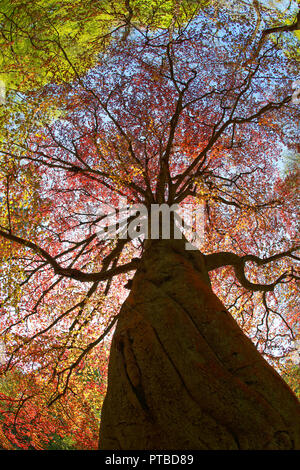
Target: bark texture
[{"x": 182, "y": 374}]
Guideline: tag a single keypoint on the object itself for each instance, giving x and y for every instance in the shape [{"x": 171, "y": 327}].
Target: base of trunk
[{"x": 182, "y": 374}]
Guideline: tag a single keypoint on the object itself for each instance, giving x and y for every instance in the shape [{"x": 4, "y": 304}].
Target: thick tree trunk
[{"x": 182, "y": 375}]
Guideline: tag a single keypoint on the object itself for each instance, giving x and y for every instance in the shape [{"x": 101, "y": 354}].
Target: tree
[{"x": 182, "y": 115}]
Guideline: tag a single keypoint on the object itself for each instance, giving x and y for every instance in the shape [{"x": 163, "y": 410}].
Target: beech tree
[{"x": 199, "y": 113}]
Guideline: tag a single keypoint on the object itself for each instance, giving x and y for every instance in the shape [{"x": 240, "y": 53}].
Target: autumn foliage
[{"x": 177, "y": 102}]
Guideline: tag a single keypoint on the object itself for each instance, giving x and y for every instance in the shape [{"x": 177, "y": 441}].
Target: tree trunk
[{"x": 182, "y": 374}]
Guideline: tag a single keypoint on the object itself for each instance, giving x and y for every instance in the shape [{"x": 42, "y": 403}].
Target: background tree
[{"x": 195, "y": 113}]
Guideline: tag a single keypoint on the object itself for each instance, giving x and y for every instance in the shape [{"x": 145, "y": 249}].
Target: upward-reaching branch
[{"x": 295, "y": 26}]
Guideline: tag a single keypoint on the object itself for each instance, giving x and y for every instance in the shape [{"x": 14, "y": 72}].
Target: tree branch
[
  {"x": 71, "y": 272},
  {"x": 224, "y": 258}
]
